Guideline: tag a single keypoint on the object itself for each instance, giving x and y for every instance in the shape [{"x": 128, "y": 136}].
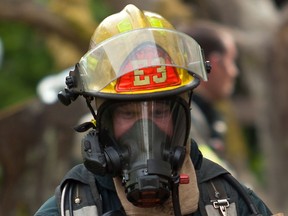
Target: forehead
[{"x": 230, "y": 44}]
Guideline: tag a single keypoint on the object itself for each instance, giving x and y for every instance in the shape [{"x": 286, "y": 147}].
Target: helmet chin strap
[
  {"x": 188, "y": 195},
  {"x": 175, "y": 195}
]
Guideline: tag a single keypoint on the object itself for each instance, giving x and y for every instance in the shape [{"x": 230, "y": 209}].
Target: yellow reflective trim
[
  {"x": 124, "y": 25},
  {"x": 209, "y": 154},
  {"x": 155, "y": 22},
  {"x": 92, "y": 63},
  {"x": 93, "y": 121}
]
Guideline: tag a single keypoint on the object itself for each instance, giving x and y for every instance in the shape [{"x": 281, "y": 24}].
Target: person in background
[
  {"x": 138, "y": 157},
  {"x": 209, "y": 125}
]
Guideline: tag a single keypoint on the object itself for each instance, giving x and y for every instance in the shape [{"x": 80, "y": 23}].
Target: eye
[
  {"x": 125, "y": 112},
  {"x": 128, "y": 114},
  {"x": 161, "y": 112}
]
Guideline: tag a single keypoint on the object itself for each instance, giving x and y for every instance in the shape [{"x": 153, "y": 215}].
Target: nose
[
  {"x": 233, "y": 70},
  {"x": 236, "y": 70}
]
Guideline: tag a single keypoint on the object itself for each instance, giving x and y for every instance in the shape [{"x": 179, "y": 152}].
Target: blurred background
[{"x": 40, "y": 40}]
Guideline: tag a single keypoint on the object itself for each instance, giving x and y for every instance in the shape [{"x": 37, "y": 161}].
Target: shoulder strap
[
  {"x": 211, "y": 176},
  {"x": 78, "y": 197},
  {"x": 243, "y": 193},
  {"x": 217, "y": 198},
  {"x": 78, "y": 189},
  {"x": 81, "y": 188},
  {"x": 220, "y": 195},
  {"x": 95, "y": 193}
]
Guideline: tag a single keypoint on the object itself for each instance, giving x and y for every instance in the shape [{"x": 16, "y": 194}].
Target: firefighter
[{"x": 138, "y": 158}]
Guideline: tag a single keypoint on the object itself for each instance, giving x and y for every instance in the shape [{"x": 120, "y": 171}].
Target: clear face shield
[
  {"x": 150, "y": 137},
  {"x": 109, "y": 56}
]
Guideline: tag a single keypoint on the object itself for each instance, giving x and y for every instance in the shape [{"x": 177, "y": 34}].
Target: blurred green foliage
[
  {"x": 26, "y": 60},
  {"x": 100, "y": 9},
  {"x": 26, "y": 57}
]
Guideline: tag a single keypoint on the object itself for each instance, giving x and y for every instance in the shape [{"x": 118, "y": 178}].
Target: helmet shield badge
[{"x": 147, "y": 78}]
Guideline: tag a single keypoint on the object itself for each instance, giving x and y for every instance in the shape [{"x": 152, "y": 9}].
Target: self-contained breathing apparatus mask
[{"x": 143, "y": 142}]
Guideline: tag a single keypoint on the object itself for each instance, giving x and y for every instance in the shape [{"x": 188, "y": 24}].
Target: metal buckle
[{"x": 222, "y": 205}]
